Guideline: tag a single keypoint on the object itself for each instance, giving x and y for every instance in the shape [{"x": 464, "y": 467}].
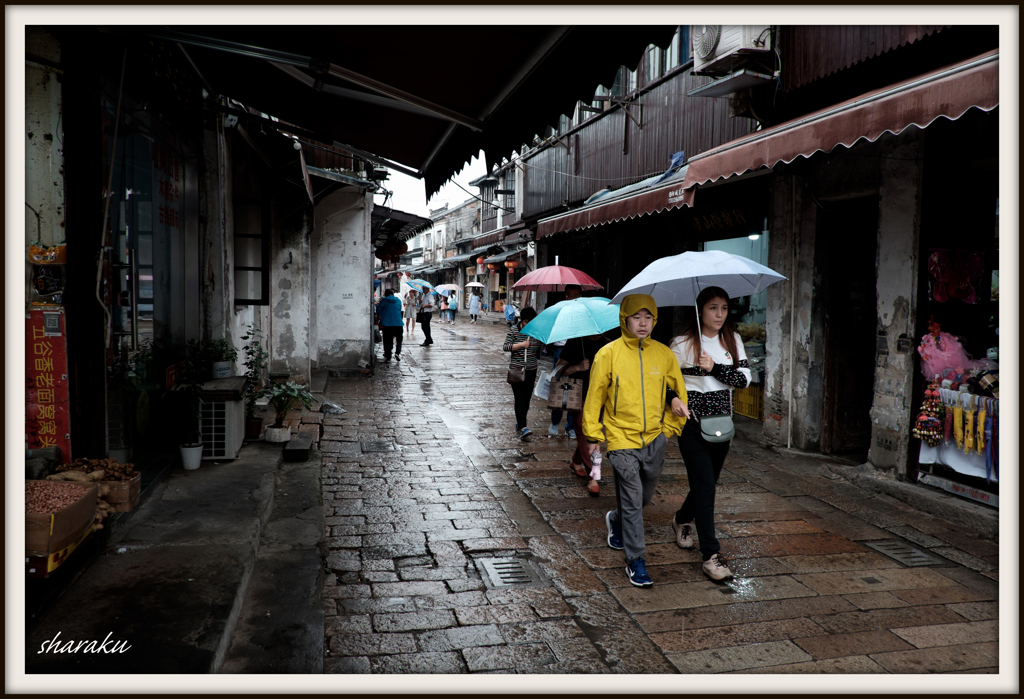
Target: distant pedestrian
[
  {"x": 510, "y": 314},
  {"x": 474, "y": 307},
  {"x": 522, "y": 370},
  {"x": 426, "y": 312},
  {"x": 626, "y": 405},
  {"x": 714, "y": 363},
  {"x": 444, "y": 308},
  {"x": 410, "y": 312},
  {"x": 389, "y": 312}
]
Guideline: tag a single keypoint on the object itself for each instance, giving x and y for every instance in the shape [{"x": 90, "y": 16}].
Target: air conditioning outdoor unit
[
  {"x": 722, "y": 48},
  {"x": 222, "y": 417}
]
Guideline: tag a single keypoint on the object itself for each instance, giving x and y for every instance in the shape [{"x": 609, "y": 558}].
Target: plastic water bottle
[{"x": 595, "y": 468}]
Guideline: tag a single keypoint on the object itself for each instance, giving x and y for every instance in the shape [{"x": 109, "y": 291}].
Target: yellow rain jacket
[{"x": 628, "y": 379}]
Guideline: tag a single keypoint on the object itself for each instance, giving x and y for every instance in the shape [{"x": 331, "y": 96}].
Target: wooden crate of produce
[{"x": 57, "y": 514}]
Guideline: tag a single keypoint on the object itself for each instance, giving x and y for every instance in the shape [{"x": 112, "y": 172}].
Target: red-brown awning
[
  {"x": 948, "y": 92},
  {"x": 648, "y": 201}
]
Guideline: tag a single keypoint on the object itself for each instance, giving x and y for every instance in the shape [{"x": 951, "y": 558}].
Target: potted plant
[
  {"x": 222, "y": 355},
  {"x": 283, "y": 396},
  {"x": 212, "y": 358},
  {"x": 255, "y": 364},
  {"x": 188, "y": 387}
]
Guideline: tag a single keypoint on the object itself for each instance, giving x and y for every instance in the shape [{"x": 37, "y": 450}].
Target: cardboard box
[
  {"x": 123, "y": 496},
  {"x": 566, "y": 394},
  {"x": 50, "y": 533}
]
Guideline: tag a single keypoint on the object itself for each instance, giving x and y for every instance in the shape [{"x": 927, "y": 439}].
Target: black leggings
[
  {"x": 425, "y": 327},
  {"x": 704, "y": 461},
  {"x": 523, "y": 393}
]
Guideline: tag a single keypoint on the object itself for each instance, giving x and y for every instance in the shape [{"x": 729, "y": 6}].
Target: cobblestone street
[{"x": 424, "y": 477}]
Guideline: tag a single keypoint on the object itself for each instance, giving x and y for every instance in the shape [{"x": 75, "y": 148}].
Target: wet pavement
[{"x": 425, "y": 482}]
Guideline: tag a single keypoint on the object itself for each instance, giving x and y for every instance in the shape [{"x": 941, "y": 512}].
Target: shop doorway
[{"x": 848, "y": 234}]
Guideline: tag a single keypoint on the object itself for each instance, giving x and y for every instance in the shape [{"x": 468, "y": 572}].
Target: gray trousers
[{"x": 636, "y": 476}]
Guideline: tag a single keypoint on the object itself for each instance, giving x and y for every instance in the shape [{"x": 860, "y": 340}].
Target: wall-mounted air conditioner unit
[
  {"x": 719, "y": 49},
  {"x": 222, "y": 417}
]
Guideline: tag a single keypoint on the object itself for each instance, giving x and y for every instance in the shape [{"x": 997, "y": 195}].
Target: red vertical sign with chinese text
[{"x": 46, "y": 391}]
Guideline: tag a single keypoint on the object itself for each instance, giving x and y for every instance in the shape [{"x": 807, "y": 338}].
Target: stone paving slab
[
  {"x": 873, "y": 580},
  {"x": 758, "y": 655},
  {"x": 950, "y": 634},
  {"x": 877, "y": 619},
  {"x": 849, "y": 665},
  {"x": 741, "y": 613},
  {"x": 860, "y": 643},
  {"x": 946, "y": 659},
  {"x": 687, "y": 640}
]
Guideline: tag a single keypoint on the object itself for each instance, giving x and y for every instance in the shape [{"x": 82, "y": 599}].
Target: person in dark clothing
[
  {"x": 426, "y": 312},
  {"x": 525, "y": 352},
  {"x": 389, "y": 316}
]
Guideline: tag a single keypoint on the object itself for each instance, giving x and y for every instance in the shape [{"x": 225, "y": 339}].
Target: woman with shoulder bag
[
  {"x": 522, "y": 368},
  {"x": 713, "y": 363}
]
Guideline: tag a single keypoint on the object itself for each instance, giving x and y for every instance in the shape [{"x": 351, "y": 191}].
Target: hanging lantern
[
  {"x": 402, "y": 248},
  {"x": 512, "y": 264},
  {"x": 492, "y": 266},
  {"x": 480, "y": 260}
]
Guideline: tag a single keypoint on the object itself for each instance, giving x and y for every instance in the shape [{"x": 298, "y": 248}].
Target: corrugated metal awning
[
  {"x": 948, "y": 92},
  {"x": 646, "y": 197},
  {"x": 504, "y": 256}
]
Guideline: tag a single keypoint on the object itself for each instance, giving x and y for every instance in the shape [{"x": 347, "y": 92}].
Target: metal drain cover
[
  {"x": 510, "y": 572},
  {"x": 904, "y": 553},
  {"x": 376, "y": 446}
]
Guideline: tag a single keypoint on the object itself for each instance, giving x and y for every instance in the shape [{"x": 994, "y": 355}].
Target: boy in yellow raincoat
[{"x": 626, "y": 400}]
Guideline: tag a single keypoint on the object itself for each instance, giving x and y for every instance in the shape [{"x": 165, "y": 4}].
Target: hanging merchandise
[
  {"x": 955, "y": 274},
  {"x": 969, "y": 426},
  {"x": 958, "y": 425},
  {"x": 941, "y": 351},
  {"x": 928, "y": 426},
  {"x": 980, "y": 438}
]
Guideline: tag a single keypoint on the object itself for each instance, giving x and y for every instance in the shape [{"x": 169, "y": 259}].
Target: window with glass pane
[
  {"x": 653, "y": 63},
  {"x": 252, "y": 254}
]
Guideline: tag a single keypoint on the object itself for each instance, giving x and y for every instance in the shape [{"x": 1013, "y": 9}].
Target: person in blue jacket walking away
[{"x": 389, "y": 316}]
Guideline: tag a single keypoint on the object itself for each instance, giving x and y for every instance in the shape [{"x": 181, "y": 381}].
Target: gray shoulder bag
[{"x": 718, "y": 428}]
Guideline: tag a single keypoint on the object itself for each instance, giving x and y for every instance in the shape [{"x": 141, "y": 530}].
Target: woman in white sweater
[{"x": 713, "y": 363}]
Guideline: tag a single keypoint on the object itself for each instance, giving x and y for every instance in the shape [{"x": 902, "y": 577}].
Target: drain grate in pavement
[
  {"x": 905, "y": 554},
  {"x": 376, "y": 446},
  {"x": 510, "y": 572}
]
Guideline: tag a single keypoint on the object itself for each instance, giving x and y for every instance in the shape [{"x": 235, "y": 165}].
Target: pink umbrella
[{"x": 555, "y": 278}]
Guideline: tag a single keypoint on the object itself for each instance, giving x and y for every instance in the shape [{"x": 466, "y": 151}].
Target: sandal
[
  {"x": 594, "y": 488},
  {"x": 578, "y": 469}
]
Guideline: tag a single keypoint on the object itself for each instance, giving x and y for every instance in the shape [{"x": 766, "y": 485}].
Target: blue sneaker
[
  {"x": 524, "y": 434},
  {"x": 614, "y": 533},
  {"x": 637, "y": 572},
  {"x": 570, "y": 433}
]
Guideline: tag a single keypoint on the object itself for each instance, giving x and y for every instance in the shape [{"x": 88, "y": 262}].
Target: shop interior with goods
[{"x": 956, "y": 413}]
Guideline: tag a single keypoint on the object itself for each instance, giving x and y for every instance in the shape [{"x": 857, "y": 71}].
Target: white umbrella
[
  {"x": 476, "y": 284},
  {"x": 679, "y": 279},
  {"x": 447, "y": 288}
]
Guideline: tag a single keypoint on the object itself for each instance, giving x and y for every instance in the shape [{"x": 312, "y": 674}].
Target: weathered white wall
[
  {"x": 44, "y": 154},
  {"x": 898, "y": 243},
  {"x": 289, "y": 290},
  {"x": 342, "y": 308},
  {"x": 793, "y": 351}
]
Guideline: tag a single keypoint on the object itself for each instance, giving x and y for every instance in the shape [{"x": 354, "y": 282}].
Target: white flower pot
[
  {"x": 191, "y": 456},
  {"x": 277, "y": 434},
  {"x": 221, "y": 370}
]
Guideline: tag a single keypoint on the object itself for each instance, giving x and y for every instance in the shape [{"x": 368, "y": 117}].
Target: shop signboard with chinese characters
[{"x": 46, "y": 392}]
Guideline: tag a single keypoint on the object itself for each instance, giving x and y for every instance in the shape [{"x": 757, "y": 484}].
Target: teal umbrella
[
  {"x": 576, "y": 318},
  {"x": 421, "y": 285}
]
